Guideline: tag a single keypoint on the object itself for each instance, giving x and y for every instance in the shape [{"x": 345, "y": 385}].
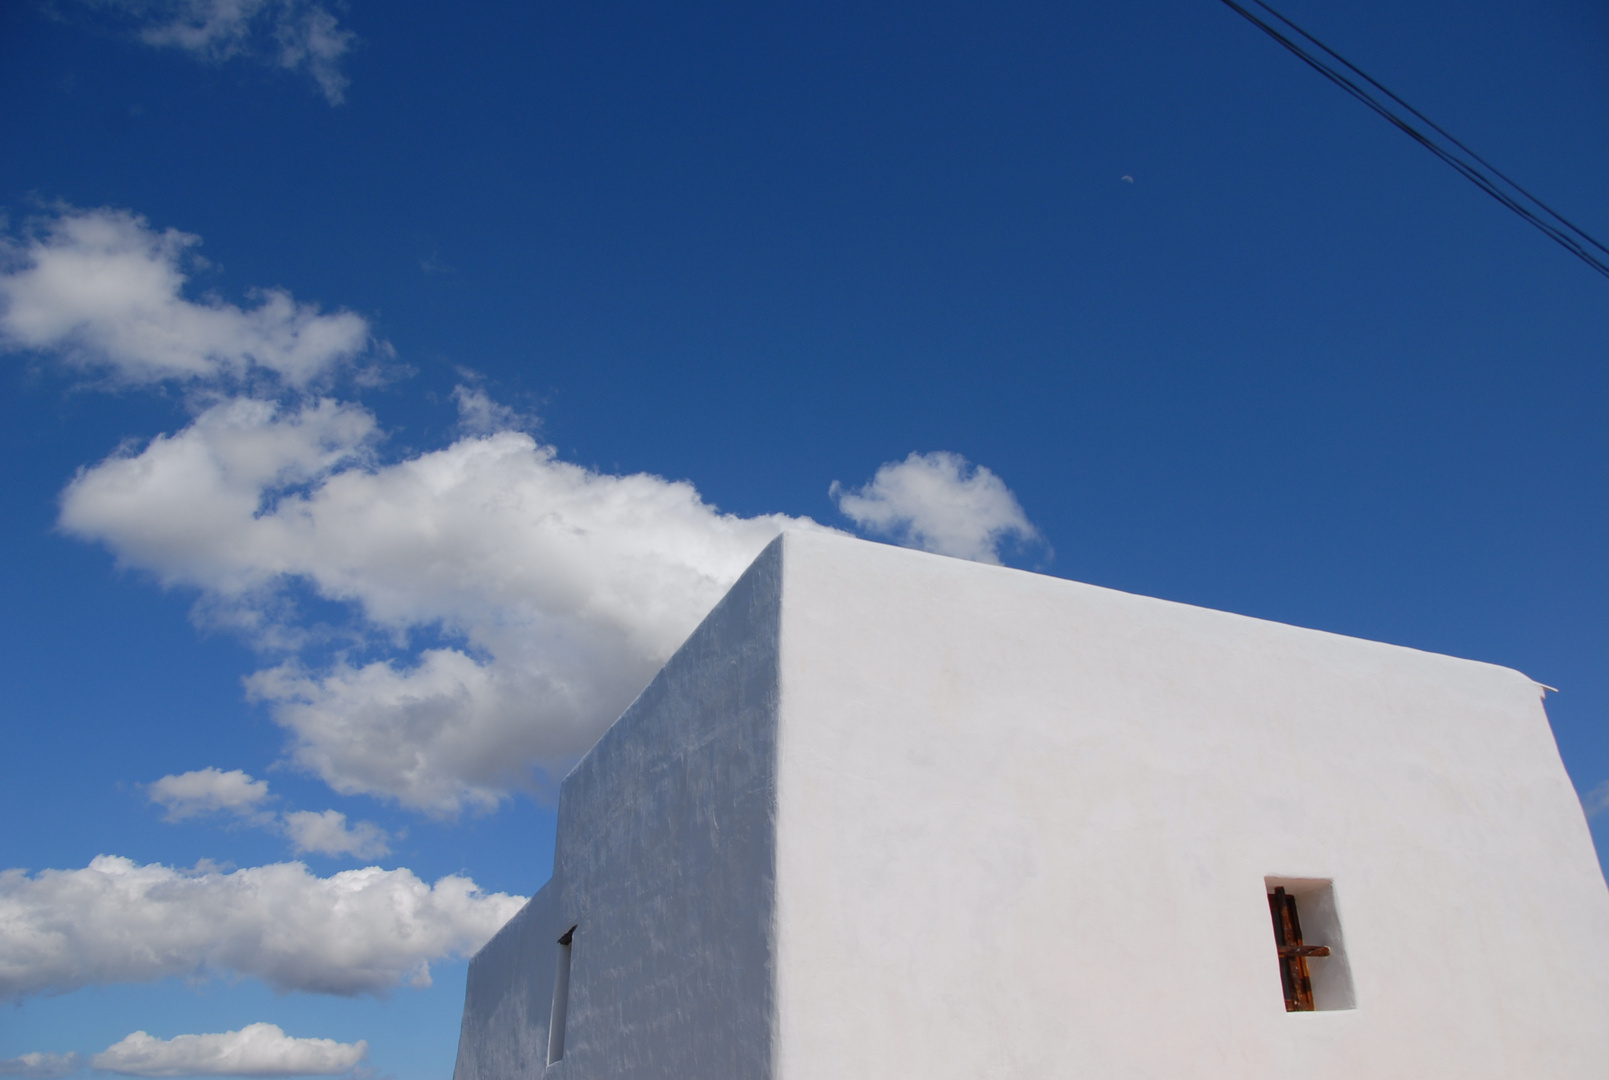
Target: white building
[{"x": 887, "y": 815}]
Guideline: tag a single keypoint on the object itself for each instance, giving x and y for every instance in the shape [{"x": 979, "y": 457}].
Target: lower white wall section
[
  {"x": 888, "y": 814},
  {"x": 1026, "y": 828}
]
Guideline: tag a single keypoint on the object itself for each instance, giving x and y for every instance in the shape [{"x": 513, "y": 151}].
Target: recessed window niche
[
  {"x": 561, "y": 998},
  {"x": 1311, "y": 953}
]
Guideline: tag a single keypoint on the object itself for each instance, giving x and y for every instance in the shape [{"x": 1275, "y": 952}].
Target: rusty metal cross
[{"x": 1293, "y": 954}]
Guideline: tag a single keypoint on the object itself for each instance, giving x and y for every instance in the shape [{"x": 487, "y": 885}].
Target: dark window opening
[
  {"x": 1293, "y": 952},
  {"x": 561, "y": 998}
]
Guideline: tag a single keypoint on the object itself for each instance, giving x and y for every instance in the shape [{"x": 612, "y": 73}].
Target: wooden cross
[{"x": 1292, "y": 953}]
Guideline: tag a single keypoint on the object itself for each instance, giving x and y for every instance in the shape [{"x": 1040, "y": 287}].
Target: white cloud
[
  {"x": 254, "y": 1050},
  {"x": 1596, "y": 801},
  {"x": 478, "y": 414},
  {"x": 292, "y": 34},
  {"x": 38, "y": 1066},
  {"x": 208, "y": 791},
  {"x": 104, "y": 290},
  {"x": 505, "y": 605},
  {"x": 355, "y": 932},
  {"x": 553, "y": 592},
  {"x": 327, "y": 833},
  {"x": 938, "y": 502},
  {"x": 212, "y": 791}
]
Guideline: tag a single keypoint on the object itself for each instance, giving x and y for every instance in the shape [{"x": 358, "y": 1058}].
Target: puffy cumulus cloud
[
  {"x": 207, "y": 791},
  {"x": 104, "y": 291},
  {"x": 254, "y": 1050},
  {"x": 297, "y": 35},
  {"x": 355, "y": 932},
  {"x": 550, "y": 592},
  {"x": 37, "y": 1066},
  {"x": 234, "y": 793},
  {"x": 938, "y": 502},
  {"x": 327, "y": 833}
]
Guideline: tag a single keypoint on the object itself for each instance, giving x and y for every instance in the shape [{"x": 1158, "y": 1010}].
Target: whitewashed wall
[
  {"x": 888, "y": 814},
  {"x": 1025, "y": 827}
]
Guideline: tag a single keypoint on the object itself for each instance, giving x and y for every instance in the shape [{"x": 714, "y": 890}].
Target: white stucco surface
[{"x": 889, "y": 814}]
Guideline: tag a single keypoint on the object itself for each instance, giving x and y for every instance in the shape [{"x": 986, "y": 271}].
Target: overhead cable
[{"x": 1335, "y": 67}]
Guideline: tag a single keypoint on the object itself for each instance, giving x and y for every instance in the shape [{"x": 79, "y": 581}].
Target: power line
[{"x": 1470, "y": 164}]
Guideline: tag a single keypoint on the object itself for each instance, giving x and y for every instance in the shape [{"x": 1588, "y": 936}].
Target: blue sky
[{"x": 388, "y": 388}]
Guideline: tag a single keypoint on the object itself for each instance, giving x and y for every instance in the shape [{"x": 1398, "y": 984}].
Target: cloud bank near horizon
[
  {"x": 356, "y": 932},
  {"x": 41, "y": 1066},
  {"x": 261, "y": 1050}
]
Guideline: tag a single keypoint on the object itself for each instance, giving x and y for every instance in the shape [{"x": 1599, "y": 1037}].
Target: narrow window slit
[{"x": 561, "y": 998}]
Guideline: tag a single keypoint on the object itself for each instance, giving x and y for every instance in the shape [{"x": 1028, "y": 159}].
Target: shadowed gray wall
[{"x": 664, "y": 864}]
